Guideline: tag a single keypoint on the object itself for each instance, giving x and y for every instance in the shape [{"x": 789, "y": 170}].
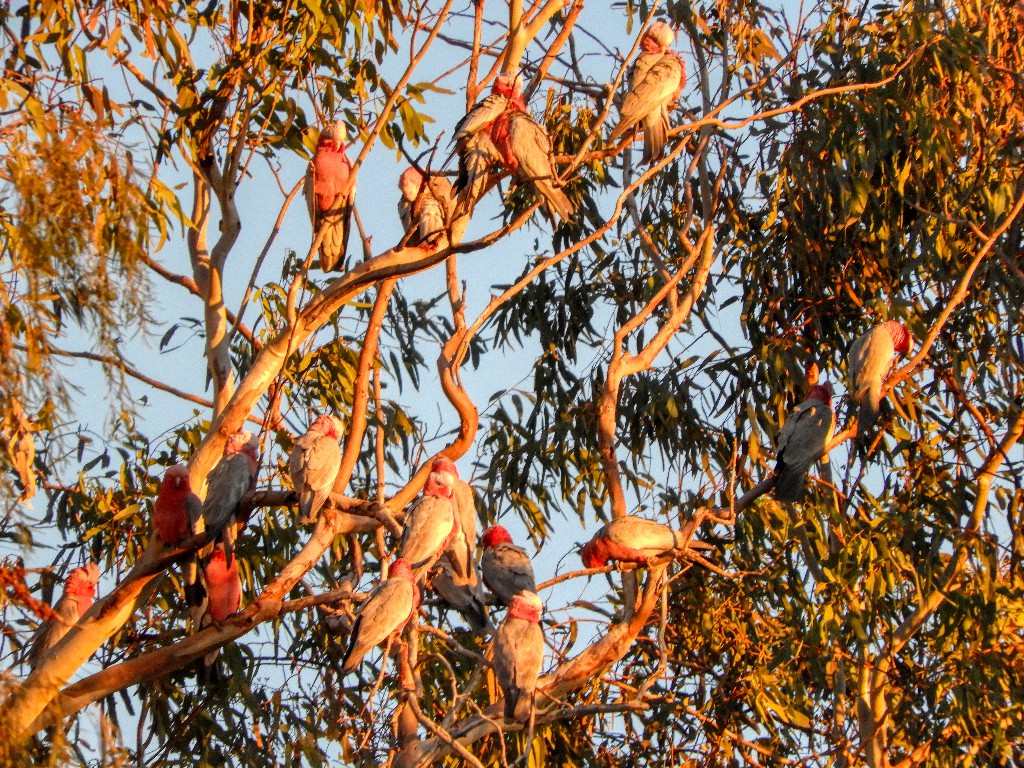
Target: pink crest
[
  {"x": 400, "y": 569},
  {"x": 821, "y": 393},
  {"x": 494, "y": 536}
]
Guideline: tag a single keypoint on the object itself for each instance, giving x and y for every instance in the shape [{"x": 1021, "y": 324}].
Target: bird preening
[
  {"x": 655, "y": 80},
  {"x": 498, "y": 133},
  {"x": 426, "y": 207},
  {"x": 79, "y": 592}
]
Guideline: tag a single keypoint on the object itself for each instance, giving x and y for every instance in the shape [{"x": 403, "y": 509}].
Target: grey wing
[
  {"x": 480, "y": 116},
  {"x": 652, "y": 91},
  {"x": 805, "y": 434}
]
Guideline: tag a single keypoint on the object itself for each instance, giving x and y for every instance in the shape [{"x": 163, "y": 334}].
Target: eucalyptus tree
[{"x": 824, "y": 172}]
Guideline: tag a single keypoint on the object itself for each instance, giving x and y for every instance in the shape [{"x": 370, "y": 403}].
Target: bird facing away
[
  {"x": 329, "y": 196},
  {"x": 384, "y": 612},
  {"x": 456, "y": 578},
  {"x": 176, "y": 507},
  {"x": 313, "y": 465},
  {"x": 506, "y": 568},
  {"x": 629, "y": 539},
  {"x": 871, "y": 359},
  {"x": 802, "y": 441},
  {"x": 425, "y": 207},
  {"x": 474, "y": 139},
  {"x": 519, "y": 655},
  {"x": 655, "y": 81},
  {"x": 228, "y": 483},
  {"x": 79, "y": 591},
  {"x": 530, "y": 162},
  {"x": 430, "y": 525}
]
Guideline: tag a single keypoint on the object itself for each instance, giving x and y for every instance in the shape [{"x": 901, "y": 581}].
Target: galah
[
  {"x": 519, "y": 655},
  {"x": 176, "y": 507},
  {"x": 656, "y": 79},
  {"x": 802, "y": 441},
  {"x": 430, "y": 526},
  {"x": 506, "y": 568},
  {"x": 79, "y": 591},
  {"x": 629, "y": 539},
  {"x": 871, "y": 359},
  {"x": 456, "y": 578},
  {"x": 313, "y": 464},
  {"x": 384, "y": 612},
  {"x": 530, "y": 162},
  {"x": 425, "y": 207},
  {"x": 228, "y": 483},
  {"x": 222, "y": 598},
  {"x": 475, "y": 143},
  {"x": 329, "y": 196}
]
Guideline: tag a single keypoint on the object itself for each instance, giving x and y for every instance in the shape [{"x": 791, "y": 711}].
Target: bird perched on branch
[
  {"x": 530, "y": 162},
  {"x": 629, "y": 539},
  {"x": 313, "y": 465},
  {"x": 222, "y": 597},
  {"x": 430, "y": 526},
  {"x": 456, "y": 578},
  {"x": 176, "y": 508},
  {"x": 475, "y": 143},
  {"x": 79, "y": 591},
  {"x": 802, "y": 441},
  {"x": 425, "y": 207},
  {"x": 330, "y": 193},
  {"x": 655, "y": 80},
  {"x": 228, "y": 483},
  {"x": 519, "y": 655},
  {"x": 384, "y": 612},
  {"x": 506, "y": 568},
  {"x": 871, "y": 360}
]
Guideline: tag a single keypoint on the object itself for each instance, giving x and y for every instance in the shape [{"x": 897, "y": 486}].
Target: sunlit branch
[{"x": 190, "y": 285}]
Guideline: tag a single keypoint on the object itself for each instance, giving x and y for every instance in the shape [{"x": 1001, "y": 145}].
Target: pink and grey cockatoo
[
  {"x": 222, "y": 598},
  {"x": 519, "y": 654},
  {"x": 475, "y": 142},
  {"x": 227, "y": 484},
  {"x": 79, "y": 591},
  {"x": 425, "y": 207},
  {"x": 384, "y": 612},
  {"x": 871, "y": 359},
  {"x": 430, "y": 526},
  {"x": 529, "y": 160},
  {"x": 656, "y": 79},
  {"x": 176, "y": 508},
  {"x": 802, "y": 441},
  {"x": 456, "y": 578},
  {"x": 329, "y": 195},
  {"x": 506, "y": 568},
  {"x": 629, "y": 539},
  {"x": 313, "y": 464}
]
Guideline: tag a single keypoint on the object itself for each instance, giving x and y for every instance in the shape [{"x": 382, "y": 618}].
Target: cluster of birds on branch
[
  {"x": 437, "y": 550},
  {"x": 497, "y": 136},
  {"x": 805, "y": 436}
]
